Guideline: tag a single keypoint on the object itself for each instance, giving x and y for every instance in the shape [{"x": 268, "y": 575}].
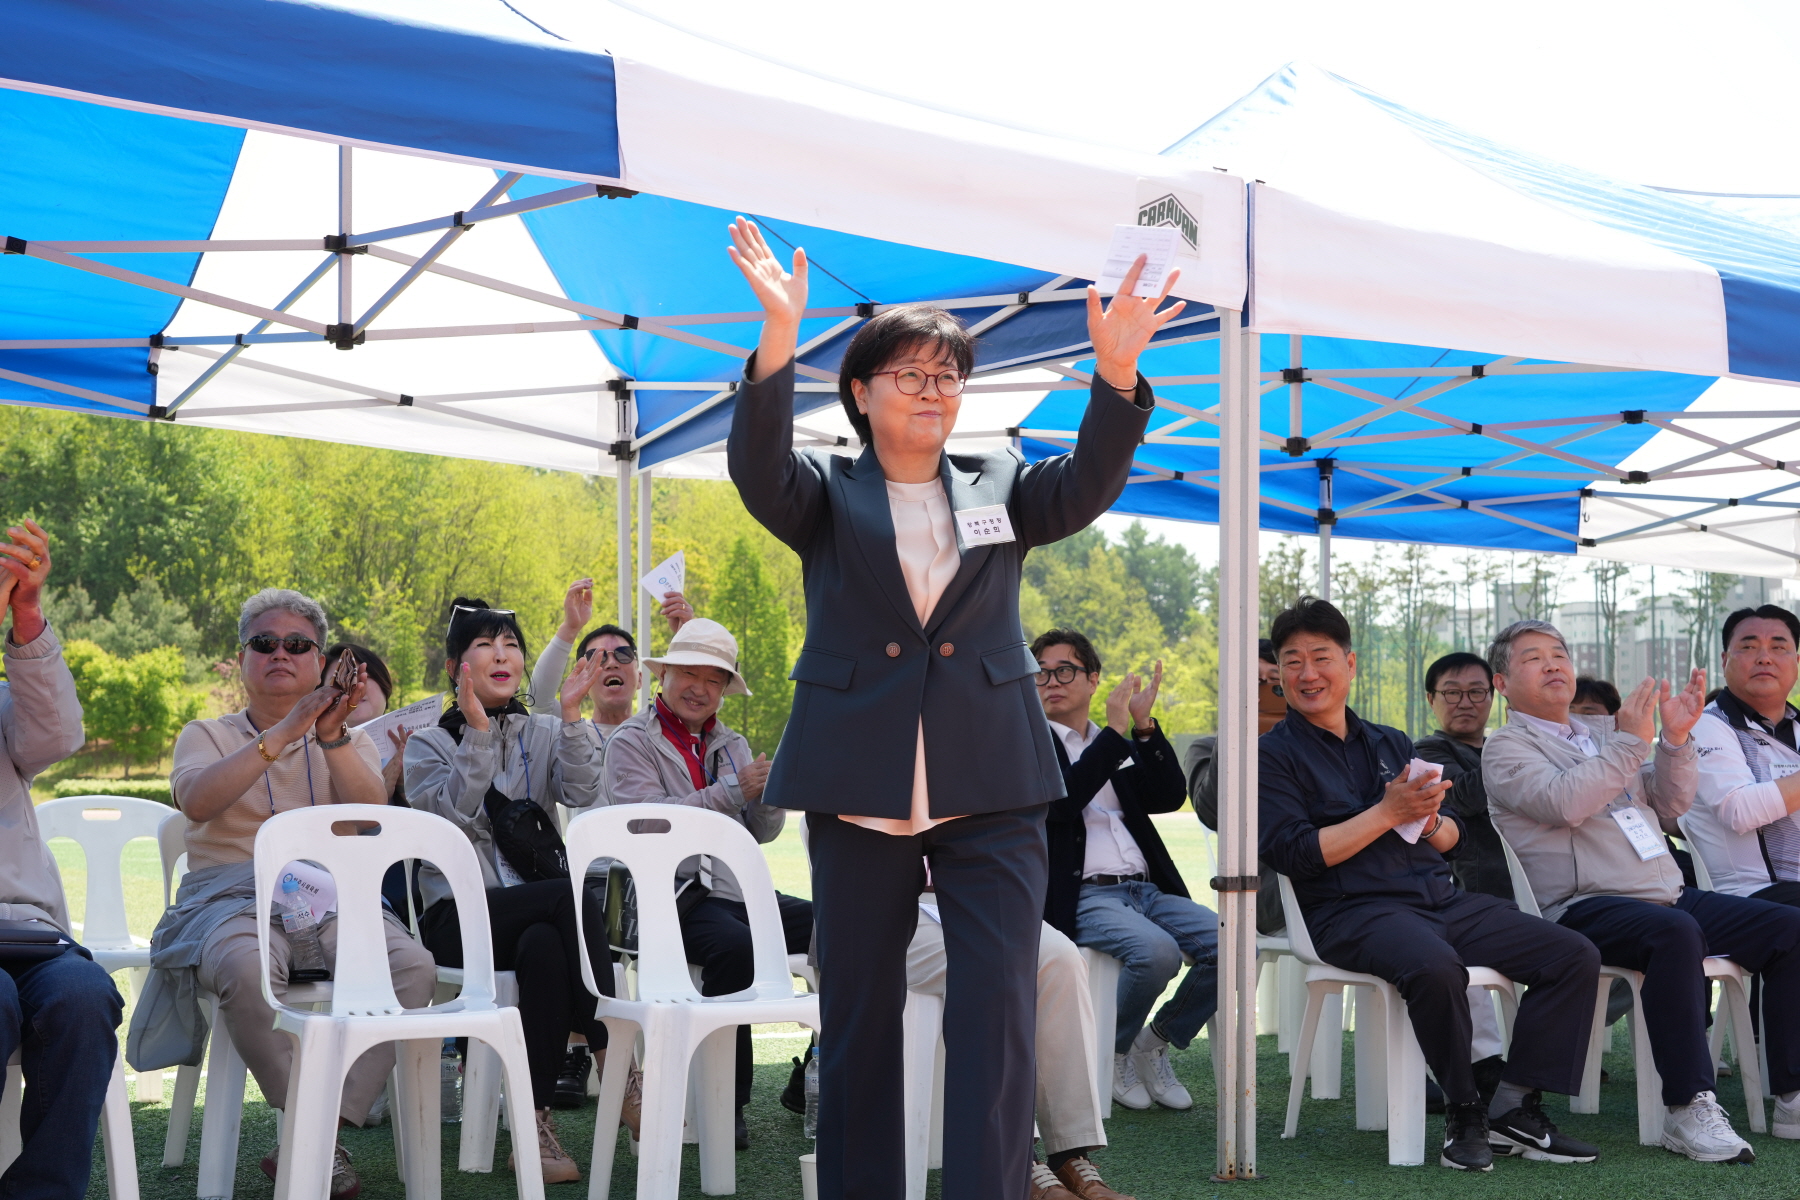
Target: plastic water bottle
[
  {"x": 812, "y": 1094},
  {"x": 450, "y": 1081},
  {"x": 306, "y": 962}
]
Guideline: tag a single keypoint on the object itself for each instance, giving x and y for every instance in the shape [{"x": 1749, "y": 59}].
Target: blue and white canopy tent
[{"x": 1463, "y": 344}]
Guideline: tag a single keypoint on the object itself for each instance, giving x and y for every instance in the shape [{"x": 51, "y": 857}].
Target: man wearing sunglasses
[{"x": 1113, "y": 886}]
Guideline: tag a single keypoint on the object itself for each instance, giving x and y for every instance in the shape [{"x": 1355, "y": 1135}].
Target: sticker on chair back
[
  {"x": 985, "y": 526},
  {"x": 1644, "y": 837}
]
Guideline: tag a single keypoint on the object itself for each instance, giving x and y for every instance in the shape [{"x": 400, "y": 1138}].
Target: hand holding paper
[
  {"x": 669, "y": 575},
  {"x": 409, "y": 720},
  {"x": 1419, "y": 770}
]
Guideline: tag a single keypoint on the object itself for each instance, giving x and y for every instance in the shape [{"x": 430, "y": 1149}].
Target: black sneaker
[
  {"x": 1466, "y": 1139},
  {"x": 572, "y": 1080},
  {"x": 1487, "y": 1077},
  {"x": 793, "y": 1096},
  {"x": 1527, "y": 1131}
]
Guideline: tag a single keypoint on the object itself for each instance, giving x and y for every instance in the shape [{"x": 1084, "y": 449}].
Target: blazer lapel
[
  {"x": 872, "y": 521},
  {"x": 965, "y": 490}
]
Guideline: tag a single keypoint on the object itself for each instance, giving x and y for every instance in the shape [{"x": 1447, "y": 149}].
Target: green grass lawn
[{"x": 1156, "y": 1155}]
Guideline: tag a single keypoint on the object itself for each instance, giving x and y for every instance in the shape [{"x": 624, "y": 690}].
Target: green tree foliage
[
  {"x": 136, "y": 705},
  {"x": 1170, "y": 576},
  {"x": 142, "y": 619},
  {"x": 745, "y": 601}
]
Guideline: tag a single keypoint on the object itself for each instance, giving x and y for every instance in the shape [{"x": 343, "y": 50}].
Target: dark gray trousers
[{"x": 990, "y": 871}]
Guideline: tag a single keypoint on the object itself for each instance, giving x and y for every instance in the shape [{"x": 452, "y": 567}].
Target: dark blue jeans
[
  {"x": 65, "y": 1014},
  {"x": 1668, "y": 944}
]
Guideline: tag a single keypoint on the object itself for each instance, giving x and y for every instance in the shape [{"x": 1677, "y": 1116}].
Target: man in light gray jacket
[
  {"x": 63, "y": 1010},
  {"x": 1580, "y": 800},
  {"x": 677, "y": 751}
]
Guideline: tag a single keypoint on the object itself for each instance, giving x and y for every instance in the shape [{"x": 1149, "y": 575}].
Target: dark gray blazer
[{"x": 868, "y": 670}]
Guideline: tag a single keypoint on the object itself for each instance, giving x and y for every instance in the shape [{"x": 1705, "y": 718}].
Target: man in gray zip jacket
[
  {"x": 64, "y": 1010},
  {"x": 1580, "y": 800},
  {"x": 677, "y": 751}
]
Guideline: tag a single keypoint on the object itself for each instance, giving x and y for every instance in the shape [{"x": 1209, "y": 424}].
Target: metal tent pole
[
  {"x": 647, "y": 607},
  {"x": 1239, "y": 480},
  {"x": 346, "y": 304},
  {"x": 622, "y": 454},
  {"x": 1327, "y": 518}
]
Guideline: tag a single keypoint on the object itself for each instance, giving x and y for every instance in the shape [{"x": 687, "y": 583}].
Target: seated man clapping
[
  {"x": 290, "y": 747},
  {"x": 63, "y": 1009}
]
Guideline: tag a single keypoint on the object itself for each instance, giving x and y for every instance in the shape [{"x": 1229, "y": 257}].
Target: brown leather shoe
[
  {"x": 1046, "y": 1186},
  {"x": 1080, "y": 1177},
  {"x": 631, "y": 1108},
  {"x": 558, "y": 1167}
]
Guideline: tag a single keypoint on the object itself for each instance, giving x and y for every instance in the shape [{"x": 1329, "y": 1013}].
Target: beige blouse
[{"x": 925, "y": 538}]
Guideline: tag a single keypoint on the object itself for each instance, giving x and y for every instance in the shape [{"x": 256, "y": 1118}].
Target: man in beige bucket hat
[{"x": 677, "y": 751}]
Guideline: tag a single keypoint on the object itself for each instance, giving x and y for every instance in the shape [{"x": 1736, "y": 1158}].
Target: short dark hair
[
  {"x": 1265, "y": 650},
  {"x": 601, "y": 632},
  {"x": 1075, "y": 640},
  {"x": 471, "y": 619},
  {"x": 378, "y": 670},
  {"x": 1599, "y": 691},
  {"x": 888, "y": 335},
  {"x": 1310, "y": 615},
  {"x": 1456, "y": 660},
  {"x": 1768, "y": 612}
]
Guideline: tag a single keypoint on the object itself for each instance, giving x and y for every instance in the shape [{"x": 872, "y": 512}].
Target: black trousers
[
  {"x": 1667, "y": 944},
  {"x": 533, "y": 930},
  {"x": 1425, "y": 953},
  {"x": 990, "y": 872},
  {"x": 716, "y": 934}
]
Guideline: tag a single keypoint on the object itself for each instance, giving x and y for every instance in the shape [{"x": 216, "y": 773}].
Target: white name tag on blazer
[
  {"x": 985, "y": 526},
  {"x": 1645, "y": 840}
]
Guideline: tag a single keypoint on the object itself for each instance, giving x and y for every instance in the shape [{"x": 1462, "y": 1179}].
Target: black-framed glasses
[
  {"x": 1455, "y": 696},
  {"x": 293, "y": 643},
  {"x": 623, "y": 655},
  {"x": 1064, "y": 674},
  {"x": 911, "y": 381}
]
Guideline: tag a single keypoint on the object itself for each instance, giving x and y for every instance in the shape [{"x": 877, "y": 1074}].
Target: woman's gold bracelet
[{"x": 266, "y": 756}]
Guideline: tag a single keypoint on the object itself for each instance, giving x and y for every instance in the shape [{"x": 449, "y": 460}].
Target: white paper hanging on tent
[
  {"x": 422, "y": 714},
  {"x": 1156, "y": 243},
  {"x": 669, "y": 575}
]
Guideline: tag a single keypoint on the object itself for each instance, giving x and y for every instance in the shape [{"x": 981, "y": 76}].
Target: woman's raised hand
[
  {"x": 1120, "y": 331},
  {"x": 781, "y": 293},
  {"x": 466, "y": 700}
]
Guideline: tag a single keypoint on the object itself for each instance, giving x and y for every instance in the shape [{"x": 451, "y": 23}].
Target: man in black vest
[{"x": 1112, "y": 884}]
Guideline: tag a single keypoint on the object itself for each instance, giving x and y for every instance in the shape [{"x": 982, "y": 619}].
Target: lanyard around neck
[{"x": 305, "y": 752}]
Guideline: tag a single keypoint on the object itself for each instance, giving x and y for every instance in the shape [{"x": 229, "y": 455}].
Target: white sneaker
[
  {"x": 1787, "y": 1118},
  {"x": 1700, "y": 1130},
  {"x": 1154, "y": 1071},
  {"x": 1128, "y": 1089}
]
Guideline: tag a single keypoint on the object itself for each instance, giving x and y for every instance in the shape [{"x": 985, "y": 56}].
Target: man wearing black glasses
[
  {"x": 1461, "y": 690},
  {"x": 1113, "y": 886}
]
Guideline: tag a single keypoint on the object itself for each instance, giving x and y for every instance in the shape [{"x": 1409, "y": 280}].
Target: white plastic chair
[
  {"x": 678, "y": 1024},
  {"x": 364, "y": 1011},
  {"x": 1733, "y": 991},
  {"x": 102, "y": 826},
  {"x": 1390, "y": 1078}
]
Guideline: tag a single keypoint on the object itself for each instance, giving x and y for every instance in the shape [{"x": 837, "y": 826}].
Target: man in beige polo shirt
[{"x": 290, "y": 747}]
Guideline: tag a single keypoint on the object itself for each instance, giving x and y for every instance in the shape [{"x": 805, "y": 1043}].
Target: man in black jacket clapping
[{"x": 1113, "y": 885}]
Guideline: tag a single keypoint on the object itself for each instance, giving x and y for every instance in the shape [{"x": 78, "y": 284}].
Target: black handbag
[
  {"x": 526, "y": 837},
  {"x": 27, "y": 943}
]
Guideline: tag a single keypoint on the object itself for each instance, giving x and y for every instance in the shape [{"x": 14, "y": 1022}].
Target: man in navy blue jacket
[
  {"x": 1112, "y": 884},
  {"x": 1365, "y": 847}
]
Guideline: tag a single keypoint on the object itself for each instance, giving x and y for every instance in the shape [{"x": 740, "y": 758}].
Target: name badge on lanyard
[{"x": 1646, "y": 840}]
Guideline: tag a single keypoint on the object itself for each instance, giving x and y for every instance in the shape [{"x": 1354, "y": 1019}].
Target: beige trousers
[
  {"x": 228, "y": 969},
  {"x": 1068, "y": 1095}
]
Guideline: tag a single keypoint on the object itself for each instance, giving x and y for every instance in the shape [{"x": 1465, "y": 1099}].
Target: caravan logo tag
[{"x": 1167, "y": 210}]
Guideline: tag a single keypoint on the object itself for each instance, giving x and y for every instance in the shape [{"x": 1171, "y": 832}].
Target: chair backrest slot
[{"x": 662, "y": 971}]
